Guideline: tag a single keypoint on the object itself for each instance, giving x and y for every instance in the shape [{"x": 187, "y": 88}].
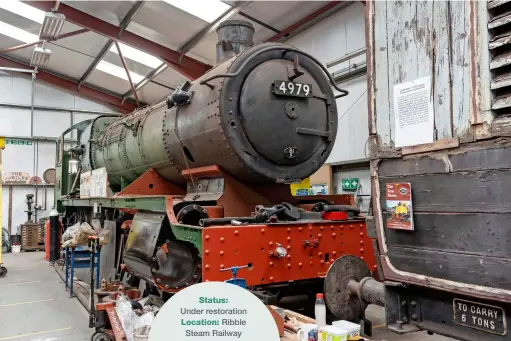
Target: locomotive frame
[{"x": 311, "y": 246}]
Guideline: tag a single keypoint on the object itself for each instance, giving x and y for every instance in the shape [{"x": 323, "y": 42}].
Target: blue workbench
[{"x": 77, "y": 258}]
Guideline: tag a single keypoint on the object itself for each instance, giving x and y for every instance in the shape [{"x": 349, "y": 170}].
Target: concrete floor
[
  {"x": 377, "y": 316},
  {"x": 34, "y": 305}
]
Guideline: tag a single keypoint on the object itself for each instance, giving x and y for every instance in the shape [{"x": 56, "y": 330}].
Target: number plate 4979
[{"x": 286, "y": 88}]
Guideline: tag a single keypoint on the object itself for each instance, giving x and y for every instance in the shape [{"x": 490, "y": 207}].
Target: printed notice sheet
[{"x": 413, "y": 113}]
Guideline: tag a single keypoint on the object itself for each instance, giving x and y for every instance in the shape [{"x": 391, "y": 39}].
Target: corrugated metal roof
[{"x": 156, "y": 21}]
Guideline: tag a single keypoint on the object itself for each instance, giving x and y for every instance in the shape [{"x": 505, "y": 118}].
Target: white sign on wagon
[{"x": 413, "y": 113}]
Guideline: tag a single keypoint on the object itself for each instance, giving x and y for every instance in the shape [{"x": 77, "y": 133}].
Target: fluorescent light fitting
[
  {"x": 24, "y": 10},
  {"x": 52, "y": 25},
  {"x": 137, "y": 55},
  {"x": 118, "y": 72},
  {"x": 207, "y": 10},
  {"x": 17, "y": 33},
  {"x": 40, "y": 57}
]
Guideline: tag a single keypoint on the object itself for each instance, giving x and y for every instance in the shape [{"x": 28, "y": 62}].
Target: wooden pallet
[{"x": 31, "y": 238}]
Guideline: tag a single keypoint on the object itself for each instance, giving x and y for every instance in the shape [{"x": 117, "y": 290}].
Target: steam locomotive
[{"x": 200, "y": 182}]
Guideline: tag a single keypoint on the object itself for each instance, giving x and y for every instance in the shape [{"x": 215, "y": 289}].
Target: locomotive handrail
[{"x": 230, "y": 75}]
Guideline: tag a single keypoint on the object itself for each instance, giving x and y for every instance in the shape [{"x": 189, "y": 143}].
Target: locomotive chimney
[{"x": 234, "y": 37}]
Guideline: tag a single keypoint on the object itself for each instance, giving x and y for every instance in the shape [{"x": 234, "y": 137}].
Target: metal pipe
[
  {"x": 27, "y": 185},
  {"x": 48, "y": 108},
  {"x": 189, "y": 67},
  {"x": 346, "y": 57},
  {"x": 78, "y": 172},
  {"x": 123, "y": 61},
  {"x": 38, "y": 138},
  {"x": 368, "y": 290},
  {"x": 65, "y": 35},
  {"x": 35, "y": 203},
  {"x": 349, "y": 73},
  {"x": 341, "y": 208},
  {"x": 37, "y": 158},
  {"x": 153, "y": 74},
  {"x": 259, "y": 22},
  {"x": 56, "y": 6},
  {"x": 36, "y": 144},
  {"x": 9, "y": 217},
  {"x": 123, "y": 25},
  {"x": 32, "y": 118},
  {"x": 225, "y": 221},
  {"x": 60, "y": 81},
  {"x": 45, "y": 197},
  {"x": 13, "y": 69}
]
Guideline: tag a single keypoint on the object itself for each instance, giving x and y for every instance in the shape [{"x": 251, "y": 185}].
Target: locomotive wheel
[{"x": 3, "y": 271}]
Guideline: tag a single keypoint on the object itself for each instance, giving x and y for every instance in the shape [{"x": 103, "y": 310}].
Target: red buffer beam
[
  {"x": 189, "y": 67},
  {"x": 71, "y": 87}
]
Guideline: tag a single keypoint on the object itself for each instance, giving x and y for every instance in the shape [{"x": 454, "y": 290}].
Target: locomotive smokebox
[{"x": 234, "y": 37}]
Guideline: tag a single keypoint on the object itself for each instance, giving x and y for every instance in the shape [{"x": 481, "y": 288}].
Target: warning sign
[{"x": 399, "y": 206}]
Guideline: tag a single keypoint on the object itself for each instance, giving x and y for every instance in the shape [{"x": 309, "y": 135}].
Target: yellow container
[
  {"x": 301, "y": 188},
  {"x": 332, "y": 333}
]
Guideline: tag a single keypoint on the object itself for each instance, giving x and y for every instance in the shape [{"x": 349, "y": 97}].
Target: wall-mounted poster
[
  {"x": 398, "y": 197},
  {"x": 413, "y": 113}
]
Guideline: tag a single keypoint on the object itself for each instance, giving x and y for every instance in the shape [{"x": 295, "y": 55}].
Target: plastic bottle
[{"x": 320, "y": 311}]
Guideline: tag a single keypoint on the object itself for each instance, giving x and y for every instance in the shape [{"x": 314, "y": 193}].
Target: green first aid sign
[
  {"x": 18, "y": 142},
  {"x": 350, "y": 184}
]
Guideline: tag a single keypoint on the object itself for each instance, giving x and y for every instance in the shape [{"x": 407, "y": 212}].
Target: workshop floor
[
  {"x": 34, "y": 305},
  {"x": 377, "y": 316}
]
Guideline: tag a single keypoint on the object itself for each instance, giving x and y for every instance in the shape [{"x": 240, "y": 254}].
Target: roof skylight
[
  {"x": 118, "y": 72},
  {"x": 17, "y": 33},
  {"x": 207, "y": 10},
  {"x": 137, "y": 55},
  {"x": 24, "y": 10}
]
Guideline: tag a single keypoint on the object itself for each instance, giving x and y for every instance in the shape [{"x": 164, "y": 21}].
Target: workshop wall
[
  {"x": 30, "y": 139},
  {"x": 363, "y": 194},
  {"x": 342, "y": 34}
]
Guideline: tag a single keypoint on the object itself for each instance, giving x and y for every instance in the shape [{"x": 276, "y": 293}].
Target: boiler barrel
[{"x": 242, "y": 123}]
